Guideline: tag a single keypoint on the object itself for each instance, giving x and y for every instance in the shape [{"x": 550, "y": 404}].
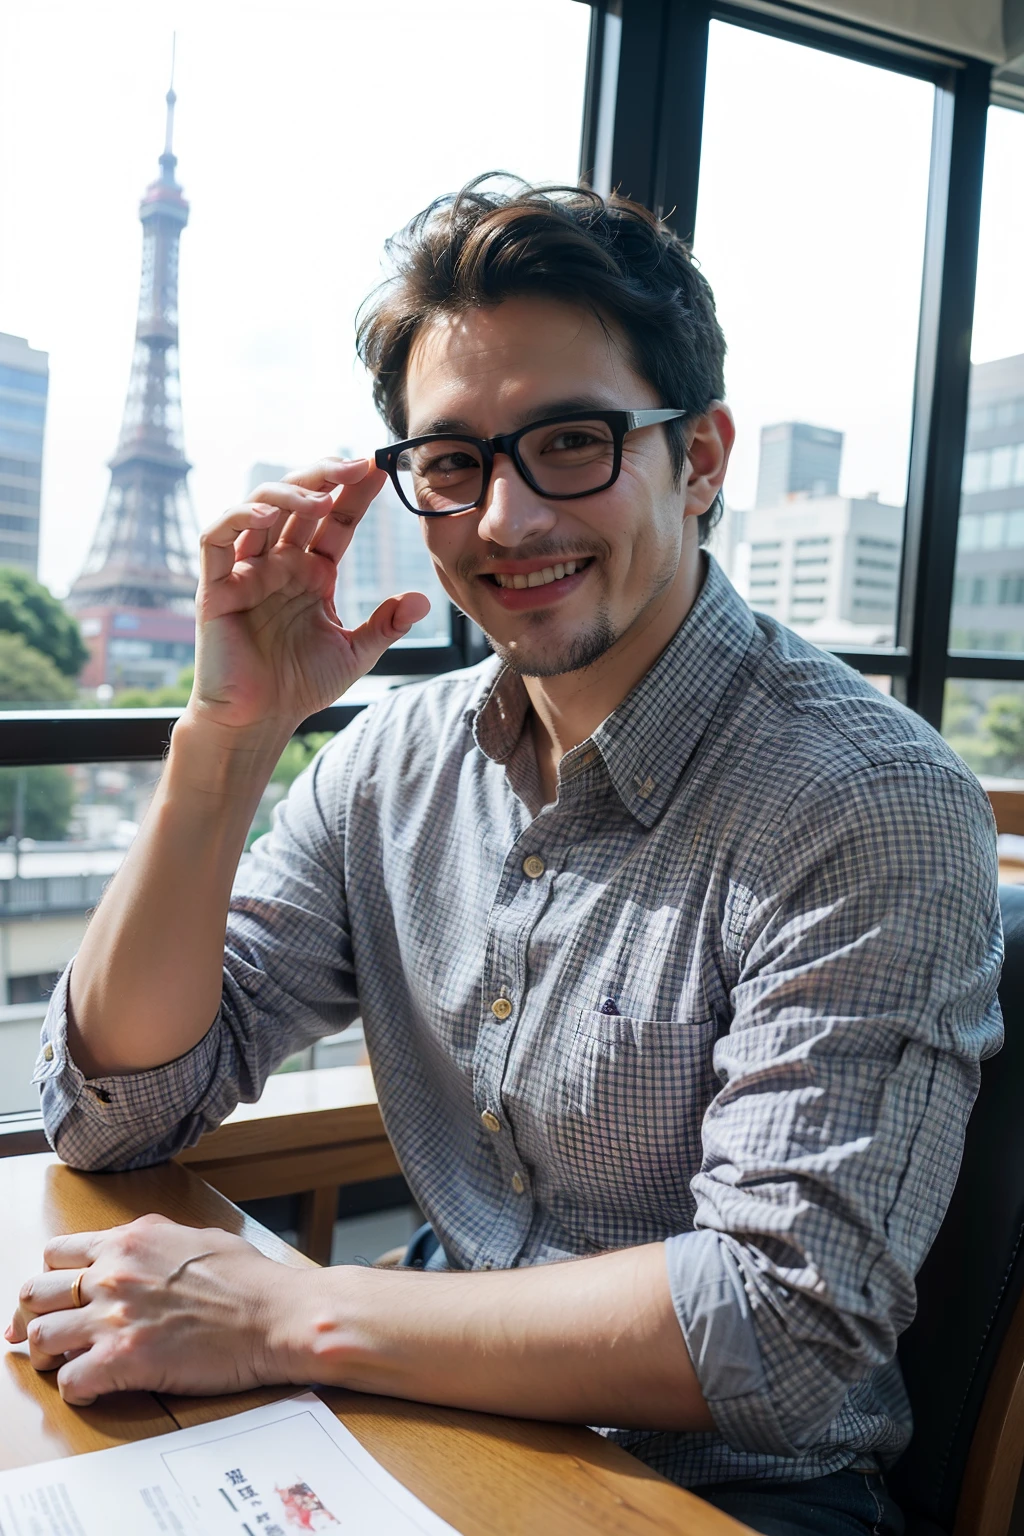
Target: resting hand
[
  {"x": 164, "y": 1308},
  {"x": 269, "y": 644}
]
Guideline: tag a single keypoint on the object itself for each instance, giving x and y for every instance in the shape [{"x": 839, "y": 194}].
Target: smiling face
[{"x": 555, "y": 585}]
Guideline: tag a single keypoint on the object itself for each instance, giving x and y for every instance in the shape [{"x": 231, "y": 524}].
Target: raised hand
[{"x": 270, "y": 648}]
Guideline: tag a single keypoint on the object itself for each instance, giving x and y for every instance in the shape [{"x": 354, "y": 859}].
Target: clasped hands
[{"x": 164, "y": 1308}]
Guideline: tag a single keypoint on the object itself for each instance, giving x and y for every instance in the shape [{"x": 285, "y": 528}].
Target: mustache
[{"x": 556, "y": 549}]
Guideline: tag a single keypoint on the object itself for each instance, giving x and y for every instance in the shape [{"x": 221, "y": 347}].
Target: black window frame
[{"x": 641, "y": 132}]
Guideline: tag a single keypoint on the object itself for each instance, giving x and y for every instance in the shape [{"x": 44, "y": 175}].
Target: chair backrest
[{"x": 970, "y": 1283}]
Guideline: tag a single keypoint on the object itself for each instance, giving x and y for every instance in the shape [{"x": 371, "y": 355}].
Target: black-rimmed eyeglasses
[{"x": 560, "y": 458}]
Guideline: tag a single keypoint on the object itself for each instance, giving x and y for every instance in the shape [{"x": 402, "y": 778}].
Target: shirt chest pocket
[{"x": 634, "y": 1092}]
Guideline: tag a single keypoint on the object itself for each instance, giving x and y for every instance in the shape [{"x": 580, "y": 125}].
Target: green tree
[
  {"x": 172, "y": 697},
  {"x": 298, "y": 754},
  {"x": 29, "y": 678},
  {"x": 43, "y": 803},
  {"x": 28, "y": 609},
  {"x": 1002, "y": 727}
]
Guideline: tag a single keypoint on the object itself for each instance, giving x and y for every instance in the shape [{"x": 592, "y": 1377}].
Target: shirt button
[
  {"x": 533, "y": 866},
  {"x": 491, "y": 1121},
  {"x": 517, "y": 1183},
  {"x": 501, "y": 1008},
  {"x": 48, "y": 1052}
]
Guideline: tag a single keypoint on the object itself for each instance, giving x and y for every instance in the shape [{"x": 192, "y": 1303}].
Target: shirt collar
[{"x": 648, "y": 740}]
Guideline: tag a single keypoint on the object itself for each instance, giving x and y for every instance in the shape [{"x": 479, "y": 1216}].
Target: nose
[{"x": 512, "y": 513}]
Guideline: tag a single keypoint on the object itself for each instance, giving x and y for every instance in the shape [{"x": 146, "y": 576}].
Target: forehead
[{"x": 509, "y": 356}]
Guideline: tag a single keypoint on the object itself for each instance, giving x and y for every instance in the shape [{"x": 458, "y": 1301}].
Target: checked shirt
[{"x": 730, "y": 991}]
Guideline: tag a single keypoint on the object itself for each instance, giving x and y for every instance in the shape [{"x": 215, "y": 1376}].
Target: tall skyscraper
[
  {"x": 262, "y": 472},
  {"x": 24, "y": 381},
  {"x": 797, "y": 458},
  {"x": 988, "y": 596},
  {"x": 134, "y": 597}
]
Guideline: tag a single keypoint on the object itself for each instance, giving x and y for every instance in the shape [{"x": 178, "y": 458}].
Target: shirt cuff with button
[{"x": 126, "y": 1121}]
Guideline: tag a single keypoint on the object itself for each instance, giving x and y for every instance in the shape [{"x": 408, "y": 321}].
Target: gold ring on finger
[{"x": 76, "y": 1290}]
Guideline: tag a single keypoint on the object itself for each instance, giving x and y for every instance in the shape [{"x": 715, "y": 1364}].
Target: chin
[{"x": 532, "y": 656}]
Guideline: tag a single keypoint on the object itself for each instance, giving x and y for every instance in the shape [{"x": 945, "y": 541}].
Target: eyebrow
[{"x": 566, "y": 407}]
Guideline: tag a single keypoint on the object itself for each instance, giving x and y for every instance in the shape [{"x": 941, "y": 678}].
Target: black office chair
[{"x": 963, "y": 1356}]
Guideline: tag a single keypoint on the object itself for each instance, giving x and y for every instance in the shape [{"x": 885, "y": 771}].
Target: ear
[{"x": 707, "y": 457}]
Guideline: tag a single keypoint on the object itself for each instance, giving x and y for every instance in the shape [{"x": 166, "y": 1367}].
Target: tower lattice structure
[{"x": 141, "y": 555}]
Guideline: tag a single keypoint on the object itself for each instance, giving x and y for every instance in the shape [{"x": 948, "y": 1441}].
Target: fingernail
[{"x": 336, "y": 469}]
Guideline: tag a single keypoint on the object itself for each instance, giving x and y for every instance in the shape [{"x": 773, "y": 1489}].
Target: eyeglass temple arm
[{"x": 651, "y": 418}]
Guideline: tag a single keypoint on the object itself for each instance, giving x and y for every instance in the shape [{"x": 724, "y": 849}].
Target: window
[
  {"x": 992, "y": 497},
  {"x": 21, "y": 410},
  {"x": 984, "y": 720},
  {"x": 268, "y": 376},
  {"x": 823, "y": 431},
  {"x": 15, "y": 378}
]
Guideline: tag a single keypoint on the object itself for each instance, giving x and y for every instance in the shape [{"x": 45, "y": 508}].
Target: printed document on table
[{"x": 273, "y": 1471}]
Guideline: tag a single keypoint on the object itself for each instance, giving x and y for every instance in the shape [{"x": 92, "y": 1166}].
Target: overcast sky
[{"x": 306, "y": 135}]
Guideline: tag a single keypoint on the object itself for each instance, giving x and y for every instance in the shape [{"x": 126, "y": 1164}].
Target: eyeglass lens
[{"x": 563, "y": 459}]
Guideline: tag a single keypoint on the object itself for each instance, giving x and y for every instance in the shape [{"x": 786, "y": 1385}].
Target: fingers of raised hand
[
  {"x": 329, "y": 472},
  {"x": 334, "y": 534},
  {"x": 258, "y": 523},
  {"x": 388, "y": 622}
]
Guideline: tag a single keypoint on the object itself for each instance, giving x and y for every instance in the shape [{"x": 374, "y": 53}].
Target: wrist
[
  {"x": 215, "y": 758},
  {"x": 322, "y": 1326}
]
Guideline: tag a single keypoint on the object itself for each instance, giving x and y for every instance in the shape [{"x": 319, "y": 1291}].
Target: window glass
[
  {"x": 301, "y": 147},
  {"x": 813, "y": 243},
  {"x": 984, "y": 720},
  {"x": 64, "y": 831},
  {"x": 992, "y": 494}
]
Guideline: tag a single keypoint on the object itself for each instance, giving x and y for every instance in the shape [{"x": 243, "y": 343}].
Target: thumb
[{"x": 387, "y": 623}]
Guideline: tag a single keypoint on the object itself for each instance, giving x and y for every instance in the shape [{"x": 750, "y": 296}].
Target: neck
[{"x": 568, "y": 709}]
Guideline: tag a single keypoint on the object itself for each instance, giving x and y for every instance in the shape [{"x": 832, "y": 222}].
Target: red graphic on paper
[{"x": 303, "y": 1508}]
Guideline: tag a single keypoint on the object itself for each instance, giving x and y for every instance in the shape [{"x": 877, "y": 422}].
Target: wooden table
[{"x": 487, "y": 1476}]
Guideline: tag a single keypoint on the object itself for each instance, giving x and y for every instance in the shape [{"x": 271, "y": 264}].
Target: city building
[
  {"x": 24, "y": 382},
  {"x": 988, "y": 594},
  {"x": 135, "y": 596},
  {"x": 826, "y": 565},
  {"x": 260, "y": 473},
  {"x": 797, "y": 459}
]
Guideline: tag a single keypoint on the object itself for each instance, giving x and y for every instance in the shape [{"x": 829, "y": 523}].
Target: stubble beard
[{"x": 582, "y": 651}]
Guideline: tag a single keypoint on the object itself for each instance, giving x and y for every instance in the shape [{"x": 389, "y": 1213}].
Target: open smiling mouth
[{"x": 541, "y": 578}]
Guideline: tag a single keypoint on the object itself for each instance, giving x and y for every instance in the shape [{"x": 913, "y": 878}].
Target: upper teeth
[{"x": 537, "y": 578}]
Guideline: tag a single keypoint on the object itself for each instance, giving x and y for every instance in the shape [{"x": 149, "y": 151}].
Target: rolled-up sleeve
[
  {"x": 288, "y": 980},
  {"x": 868, "y": 944}
]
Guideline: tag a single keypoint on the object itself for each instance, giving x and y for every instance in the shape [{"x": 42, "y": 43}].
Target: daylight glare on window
[
  {"x": 299, "y": 145},
  {"x": 813, "y": 243},
  {"x": 177, "y": 326},
  {"x": 985, "y": 720}
]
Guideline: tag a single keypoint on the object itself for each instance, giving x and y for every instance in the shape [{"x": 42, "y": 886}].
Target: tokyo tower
[{"x": 134, "y": 597}]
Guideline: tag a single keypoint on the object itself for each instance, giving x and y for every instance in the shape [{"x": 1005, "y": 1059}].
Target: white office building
[
  {"x": 24, "y": 382},
  {"x": 827, "y": 566}
]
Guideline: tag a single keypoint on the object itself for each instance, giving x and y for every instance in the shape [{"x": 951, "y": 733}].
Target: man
[{"x": 675, "y": 943}]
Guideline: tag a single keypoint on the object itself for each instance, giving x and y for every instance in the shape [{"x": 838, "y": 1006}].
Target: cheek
[{"x": 446, "y": 545}]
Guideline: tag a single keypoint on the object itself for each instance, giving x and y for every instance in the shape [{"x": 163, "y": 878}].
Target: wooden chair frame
[{"x": 992, "y": 1474}]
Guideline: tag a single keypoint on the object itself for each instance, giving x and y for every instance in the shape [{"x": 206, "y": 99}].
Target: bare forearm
[
  {"x": 593, "y": 1341},
  {"x": 146, "y": 984}
]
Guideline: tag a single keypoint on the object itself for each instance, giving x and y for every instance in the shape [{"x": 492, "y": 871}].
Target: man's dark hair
[{"x": 486, "y": 244}]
